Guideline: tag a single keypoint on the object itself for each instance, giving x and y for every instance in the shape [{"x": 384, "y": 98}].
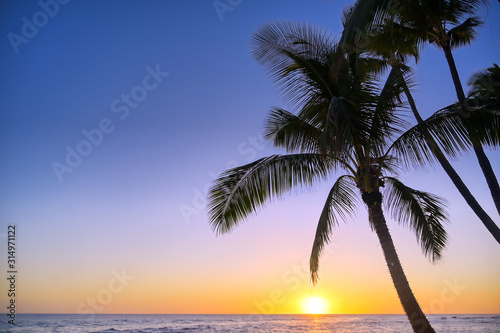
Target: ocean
[{"x": 67, "y": 323}]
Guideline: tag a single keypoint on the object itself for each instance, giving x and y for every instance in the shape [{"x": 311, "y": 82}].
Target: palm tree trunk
[
  {"x": 450, "y": 171},
  {"x": 415, "y": 315},
  {"x": 483, "y": 160},
  {"x": 490, "y": 175},
  {"x": 454, "y": 73}
]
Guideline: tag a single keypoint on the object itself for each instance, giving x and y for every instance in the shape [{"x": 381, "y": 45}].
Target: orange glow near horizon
[{"x": 315, "y": 305}]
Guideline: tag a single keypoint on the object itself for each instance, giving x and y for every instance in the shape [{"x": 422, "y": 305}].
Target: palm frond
[
  {"x": 411, "y": 148},
  {"x": 455, "y": 11},
  {"x": 386, "y": 123},
  {"x": 479, "y": 125},
  {"x": 361, "y": 18},
  {"x": 408, "y": 75},
  {"x": 396, "y": 40},
  {"x": 453, "y": 132},
  {"x": 433, "y": 18},
  {"x": 370, "y": 67},
  {"x": 464, "y": 33},
  {"x": 422, "y": 212},
  {"x": 241, "y": 191},
  {"x": 288, "y": 131},
  {"x": 297, "y": 57},
  {"x": 448, "y": 128},
  {"x": 340, "y": 203},
  {"x": 337, "y": 124},
  {"x": 390, "y": 164},
  {"x": 485, "y": 86}
]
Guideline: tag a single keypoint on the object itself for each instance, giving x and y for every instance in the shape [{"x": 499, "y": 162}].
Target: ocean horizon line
[
  {"x": 242, "y": 323},
  {"x": 261, "y": 314}
]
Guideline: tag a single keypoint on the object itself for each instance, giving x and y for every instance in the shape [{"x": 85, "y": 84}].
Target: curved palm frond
[
  {"x": 421, "y": 211},
  {"x": 412, "y": 148},
  {"x": 395, "y": 40},
  {"x": 339, "y": 125},
  {"x": 361, "y": 18},
  {"x": 407, "y": 75},
  {"x": 449, "y": 129},
  {"x": 456, "y": 10},
  {"x": 241, "y": 191},
  {"x": 452, "y": 131},
  {"x": 389, "y": 164},
  {"x": 436, "y": 16},
  {"x": 368, "y": 68},
  {"x": 485, "y": 86},
  {"x": 339, "y": 102},
  {"x": 386, "y": 123},
  {"x": 464, "y": 33},
  {"x": 289, "y": 131},
  {"x": 340, "y": 203},
  {"x": 296, "y": 56},
  {"x": 286, "y": 130},
  {"x": 427, "y": 19},
  {"x": 479, "y": 125}
]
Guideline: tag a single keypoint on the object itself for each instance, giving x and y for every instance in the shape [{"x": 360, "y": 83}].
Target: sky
[{"x": 117, "y": 115}]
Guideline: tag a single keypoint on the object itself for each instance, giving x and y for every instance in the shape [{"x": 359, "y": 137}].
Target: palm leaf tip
[
  {"x": 341, "y": 201},
  {"x": 296, "y": 57},
  {"x": 314, "y": 269},
  {"x": 242, "y": 191},
  {"x": 422, "y": 212},
  {"x": 485, "y": 85},
  {"x": 219, "y": 219},
  {"x": 464, "y": 33},
  {"x": 289, "y": 131}
]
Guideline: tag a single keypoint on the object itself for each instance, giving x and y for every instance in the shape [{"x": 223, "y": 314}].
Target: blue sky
[{"x": 124, "y": 201}]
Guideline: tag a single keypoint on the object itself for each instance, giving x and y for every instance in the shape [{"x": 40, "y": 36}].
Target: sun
[{"x": 314, "y": 305}]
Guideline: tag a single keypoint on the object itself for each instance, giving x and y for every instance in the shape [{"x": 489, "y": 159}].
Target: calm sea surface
[{"x": 244, "y": 323}]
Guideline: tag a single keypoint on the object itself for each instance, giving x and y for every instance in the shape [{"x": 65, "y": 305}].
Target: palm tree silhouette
[
  {"x": 395, "y": 43},
  {"x": 428, "y": 21},
  {"x": 485, "y": 88},
  {"x": 433, "y": 18},
  {"x": 345, "y": 121}
]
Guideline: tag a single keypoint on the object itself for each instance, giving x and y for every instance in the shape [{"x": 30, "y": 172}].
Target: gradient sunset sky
[{"x": 173, "y": 89}]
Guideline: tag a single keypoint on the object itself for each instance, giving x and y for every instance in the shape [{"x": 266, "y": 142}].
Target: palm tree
[
  {"x": 394, "y": 43},
  {"x": 485, "y": 88},
  {"x": 345, "y": 121},
  {"x": 429, "y": 19},
  {"x": 433, "y": 18}
]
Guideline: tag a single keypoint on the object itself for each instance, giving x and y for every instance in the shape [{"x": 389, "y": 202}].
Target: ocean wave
[
  {"x": 486, "y": 323},
  {"x": 196, "y": 328}
]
